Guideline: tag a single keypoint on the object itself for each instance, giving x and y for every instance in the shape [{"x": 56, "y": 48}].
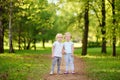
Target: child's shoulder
[{"x": 55, "y": 42}]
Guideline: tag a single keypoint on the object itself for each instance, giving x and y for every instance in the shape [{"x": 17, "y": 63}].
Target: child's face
[
  {"x": 67, "y": 37},
  {"x": 59, "y": 38}
]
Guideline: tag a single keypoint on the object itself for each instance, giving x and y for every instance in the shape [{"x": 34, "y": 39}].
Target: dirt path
[{"x": 79, "y": 69}]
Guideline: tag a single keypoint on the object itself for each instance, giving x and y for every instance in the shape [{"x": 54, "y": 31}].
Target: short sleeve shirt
[
  {"x": 58, "y": 49},
  {"x": 68, "y": 46}
]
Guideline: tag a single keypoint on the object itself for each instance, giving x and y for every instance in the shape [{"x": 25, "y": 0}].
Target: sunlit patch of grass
[
  {"x": 23, "y": 66},
  {"x": 40, "y": 51},
  {"x": 97, "y": 51},
  {"x": 101, "y": 66}
]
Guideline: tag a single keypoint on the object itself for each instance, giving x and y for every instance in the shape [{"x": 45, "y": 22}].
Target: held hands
[
  {"x": 63, "y": 52},
  {"x": 72, "y": 55}
]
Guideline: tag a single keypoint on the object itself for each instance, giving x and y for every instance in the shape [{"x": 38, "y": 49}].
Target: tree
[
  {"x": 86, "y": 29},
  {"x": 103, "y": 29},
  {"x": 32, "y": 22},
  {"x": 11, "y": 50},
  {"x": 113, "y": 27},
  {"x": 3, "y": 22},
  {"x": 1, "y": 30}
]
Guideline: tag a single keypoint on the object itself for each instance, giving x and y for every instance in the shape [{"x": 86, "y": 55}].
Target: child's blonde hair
[{"x": 58, "y": 34}]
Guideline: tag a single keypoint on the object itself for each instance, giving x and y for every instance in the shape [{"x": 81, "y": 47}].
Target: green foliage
[
  {"x": 32, "y": 22},
  {"x": 35, "y": 20},
  {"x": 94, "y": 44}
]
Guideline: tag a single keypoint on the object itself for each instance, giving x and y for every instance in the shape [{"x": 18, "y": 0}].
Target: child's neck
[
  {"x": 67, "y": 40},
  {"x": 59, "y": 41}
]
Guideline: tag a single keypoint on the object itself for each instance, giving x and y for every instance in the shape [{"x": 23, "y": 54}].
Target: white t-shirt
[
  {"x": 57, "y": 49},
  {"x": 68, "y": 46}
]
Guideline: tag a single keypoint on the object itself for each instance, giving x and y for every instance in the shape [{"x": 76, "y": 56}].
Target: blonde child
[
  {"x": 68, "y": 51},
  {"x": 57, "y": 49}
]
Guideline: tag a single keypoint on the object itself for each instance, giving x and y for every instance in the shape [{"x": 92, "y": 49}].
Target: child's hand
[
  {"x": 72, "y": 55},
  {"x": 52, "y": 56},
  {"x": 63, "y": 52}
]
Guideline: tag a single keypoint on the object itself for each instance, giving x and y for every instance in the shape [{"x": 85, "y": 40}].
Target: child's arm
[
  {"x": 63, "y": 51},
  {"x": 53, "y": 51},
  {"x": 72, "y": 50}
]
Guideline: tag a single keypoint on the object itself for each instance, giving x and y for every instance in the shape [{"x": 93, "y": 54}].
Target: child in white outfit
[
  {"x": 68, "y": 50},
  {"x": 57, "y": 50}
]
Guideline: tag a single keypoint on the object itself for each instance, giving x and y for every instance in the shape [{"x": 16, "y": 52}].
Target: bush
[{"x": 94, "y": 44}]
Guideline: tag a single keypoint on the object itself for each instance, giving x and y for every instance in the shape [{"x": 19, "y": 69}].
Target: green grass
[
  {"x": 33, "y": 64},
  {"x": 102, "y": 66},
  {"x": 24, "y": 65},
  {"x": 97, "y": 51}
]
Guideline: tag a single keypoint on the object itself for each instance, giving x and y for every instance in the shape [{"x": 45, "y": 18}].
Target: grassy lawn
[
  {"x": 32, "y": 65},
  {"x": 24, "y": 65},
  {"x": 102, "y": 66}
]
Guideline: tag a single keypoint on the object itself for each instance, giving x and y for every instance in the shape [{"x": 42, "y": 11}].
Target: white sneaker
[{"x": 51, "y": 73}]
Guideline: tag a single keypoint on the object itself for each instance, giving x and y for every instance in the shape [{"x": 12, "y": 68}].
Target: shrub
[{"x": 93, "y": 44}]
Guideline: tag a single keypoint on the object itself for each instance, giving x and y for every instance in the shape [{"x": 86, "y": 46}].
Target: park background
[{"x": 28, "y": 29}]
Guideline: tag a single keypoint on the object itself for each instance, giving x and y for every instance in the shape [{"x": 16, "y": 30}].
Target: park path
[{"x": 79, "y": 69}]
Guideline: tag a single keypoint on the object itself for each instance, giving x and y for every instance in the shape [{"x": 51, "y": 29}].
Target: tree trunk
[
  {"x": 28, "y": 46},
  {"x": 114, "y": 29},
  {"x": 43, "y": 40},
  {"x": 19, "y": 39},
  {"x": 1, "y": 30},
  {"x": 86, "y": 29},
  {"x": 24, "y": 43},
  {"x": 11, "y": 50},
  {"x": 1, "y": 37},
  {"x": 34, "y": 43},
  {"x": 103, "y": 30}
]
